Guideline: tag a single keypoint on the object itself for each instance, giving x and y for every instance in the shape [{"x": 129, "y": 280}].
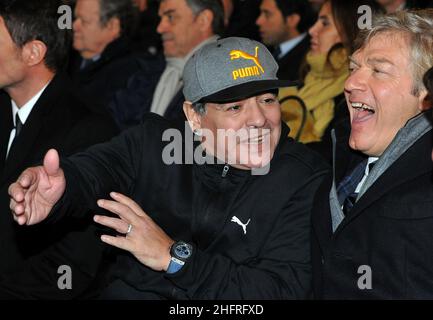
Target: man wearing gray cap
[{"x": 217, "y": 228}]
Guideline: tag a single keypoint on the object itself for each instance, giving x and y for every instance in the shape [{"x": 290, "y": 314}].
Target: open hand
[{"x": 145, "y": 239}]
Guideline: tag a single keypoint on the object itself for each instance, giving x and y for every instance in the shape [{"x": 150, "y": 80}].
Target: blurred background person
[
  {"x": 316, "y": 4},
  {"x": 309, "y": 109},
  {"x": 102, "y": 32},
  {"x": 142, "y": 5},
  {"x": 185, "y": 26},
  {"x": 145, "y": 38},
  {"x": 228, "y": 11},
  {"x": 242, "y": 20},
  {"x": 283, "y": 26}
]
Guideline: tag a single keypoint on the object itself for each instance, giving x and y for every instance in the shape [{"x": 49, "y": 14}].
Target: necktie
[
  {"x": 276, "y": 53},
  {"x": 349, "y": 202},
  {"x": 18, "y": 125},
  {"x": 346, "y": 189},
  {"x": 85, "y": 63}
]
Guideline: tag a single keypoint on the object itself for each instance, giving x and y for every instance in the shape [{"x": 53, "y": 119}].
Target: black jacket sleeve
[{"x": 103, "y": 168}]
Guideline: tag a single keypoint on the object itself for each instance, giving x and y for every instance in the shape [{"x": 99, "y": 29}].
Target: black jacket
[
  {"x": 290, "y": 63},
  {"x": 242, "y": 22},
  {"x": 98, "y": 82},
  {"x": 195, "y": 203},
  {"x": 389, "y": 230},
  {"x": 132, "y": 104},
  {"x": 30, "y": 256}
]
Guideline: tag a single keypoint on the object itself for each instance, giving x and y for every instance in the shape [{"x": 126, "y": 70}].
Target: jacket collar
[
  {"x": 387, "y": 172},
  {"x": 6, "y": 125},
  {"x": 35, "y": 122},
  {"x": 117, "y": 48},
  {"x": 221, "y": 176}
]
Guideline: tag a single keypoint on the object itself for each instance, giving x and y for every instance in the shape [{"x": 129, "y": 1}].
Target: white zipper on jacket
[{"x": 225, "y": 171}]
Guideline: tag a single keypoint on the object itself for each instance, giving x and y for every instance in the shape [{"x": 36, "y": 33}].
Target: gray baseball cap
[{"x": 230, "y": 69}]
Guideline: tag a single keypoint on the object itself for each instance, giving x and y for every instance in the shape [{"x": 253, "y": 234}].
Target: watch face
[{"x": 183, "y": 250}]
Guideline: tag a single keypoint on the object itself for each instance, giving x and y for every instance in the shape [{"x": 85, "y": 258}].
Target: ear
[
  {"x": 113, "y": 26},
  {"x": 194, "y": 119},
  {"x": 293, "y": 20},
  {"x": 34, "y": 52},
  {"x": 205, "y": 19},
  {"x": 426, "y": 101}
]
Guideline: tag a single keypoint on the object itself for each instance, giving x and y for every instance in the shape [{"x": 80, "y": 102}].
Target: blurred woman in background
[{"x": 309, "y": 109}]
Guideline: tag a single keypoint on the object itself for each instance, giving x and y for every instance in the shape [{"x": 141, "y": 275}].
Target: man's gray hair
[
  {"x": 124, "y": 10},
  {"x": 200, "y": 108},
  {"x": 215, "y": 6},
  {"x": 417, "y": 27}
]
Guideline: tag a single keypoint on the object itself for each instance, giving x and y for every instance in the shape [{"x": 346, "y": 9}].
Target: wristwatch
[{"x": 180, "y": 252}]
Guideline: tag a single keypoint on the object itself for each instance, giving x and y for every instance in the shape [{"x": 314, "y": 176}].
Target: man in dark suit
[
  {"x": 102, "y": 37},
  {"x": 145, "y": 38},
  {"x": 283, "y": 26},
  {"x": 242, "y": 20},
  {"x": 185, "y": 26},
  {"x": 39, "y": 111},
  {"x": 373, "y": 222}
]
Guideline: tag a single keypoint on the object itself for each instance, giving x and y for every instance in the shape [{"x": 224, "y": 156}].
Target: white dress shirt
[
  {"x": 290, "y": 44},
  {"x": 367, "y": 171},
  {"x": 23, "y": 113}
]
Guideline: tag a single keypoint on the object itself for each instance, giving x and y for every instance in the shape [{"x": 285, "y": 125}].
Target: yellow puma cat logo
[
  {"x": 249, "y": 71},
  {"x": 237, "y": 54}
]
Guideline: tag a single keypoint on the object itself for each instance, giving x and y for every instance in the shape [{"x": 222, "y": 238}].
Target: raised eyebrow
[
  {"x": 265, "y": 93},
  {"x": 380, "y": 61},
  {"x": 166, "y": 13}
]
